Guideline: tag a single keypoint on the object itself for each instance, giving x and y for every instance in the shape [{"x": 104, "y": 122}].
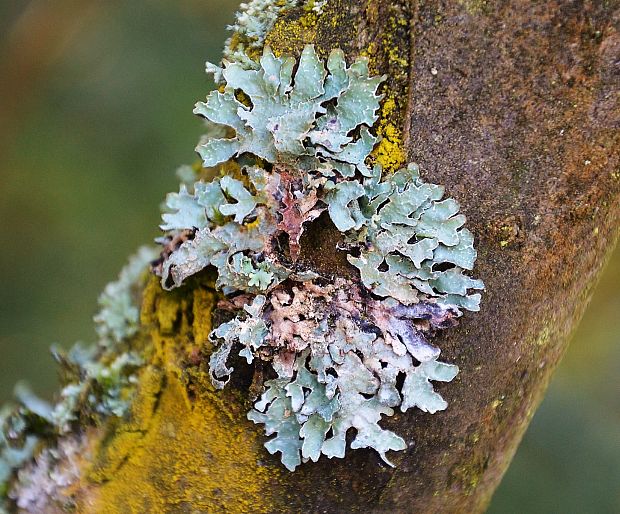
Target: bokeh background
[{"x": 95, "y": 115}]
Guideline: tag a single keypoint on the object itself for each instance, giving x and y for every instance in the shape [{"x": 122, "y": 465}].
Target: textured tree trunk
[{"x": 513, "y": 106}]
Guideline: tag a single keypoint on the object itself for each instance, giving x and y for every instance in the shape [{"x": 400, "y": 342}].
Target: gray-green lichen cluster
[
  {"x": 343, "y": 352},
  {"x": 253, "y": 22},
  {"x": 98, "y": 384},
  {"x": 303, "y": 120}
]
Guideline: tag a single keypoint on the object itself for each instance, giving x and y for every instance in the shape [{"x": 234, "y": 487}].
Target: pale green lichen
[
  {"x": 301, "y": 133},
  {"x": 318, "y": 109},
  {"x": 17, "y": 446},
  {"x": 335, "y": 371},
  {"x": 412, "y": 232},
  {"x": 249, "y": 331},
  {"x": 47, "y": 479},
  {"x": 218, "y": 211},
  {"x": 305, "y": 119},
  {"x": 99, "y": 385},
  {"x": 118, "y": 315},
  {"x": 253, "y": 22}
]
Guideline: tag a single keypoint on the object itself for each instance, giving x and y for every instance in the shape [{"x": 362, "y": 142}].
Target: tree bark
[{"x": 513, "y": 106}]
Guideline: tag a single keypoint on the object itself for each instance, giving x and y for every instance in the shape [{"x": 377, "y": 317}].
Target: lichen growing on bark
[
  {"x": 302, "y": 136},
  {"x": 297, "y": 138},
  {"x": 452, "y": 472},
  {"x": 99, "y": 383},
  {"x": 253, "y": 22},
  {"x": 173, "y": 449}
]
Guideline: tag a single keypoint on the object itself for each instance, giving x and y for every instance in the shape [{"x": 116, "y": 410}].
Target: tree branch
[{"x": 513, "y": 106}]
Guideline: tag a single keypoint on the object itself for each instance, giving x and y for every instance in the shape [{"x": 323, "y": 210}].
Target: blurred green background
[{"x": 95, "y": 115}]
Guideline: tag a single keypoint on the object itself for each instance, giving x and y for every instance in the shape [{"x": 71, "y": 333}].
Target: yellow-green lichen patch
[
  {"x": 204, "y": 301},
  {"x": 390, "y": 55},
  {"x": 544, "y": 337},
  {"x": 167, "y": 309},
  {"x": 389, "y": 152},
  {"x": 476, "y": 6},
  {"x": 496, "y": 403},
  {"x": 468, "y": 477},
  {"x": 183, "y": 459},
  {"x": 508, "y": 231},
  {"x": 289, "y": 36},
  {"x": 370, "y": 52},
  {"x": 175, "y": 452},
  {"x": 322, "y": 26}
]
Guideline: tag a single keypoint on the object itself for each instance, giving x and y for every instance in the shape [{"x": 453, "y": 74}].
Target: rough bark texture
[{"x": 513, "y": 106}]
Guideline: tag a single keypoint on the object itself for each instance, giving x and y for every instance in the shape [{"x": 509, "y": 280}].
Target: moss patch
[{"x": 175, "y": 451}]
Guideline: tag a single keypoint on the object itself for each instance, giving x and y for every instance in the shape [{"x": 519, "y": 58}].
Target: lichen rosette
[{"x": 343, "y": 351}]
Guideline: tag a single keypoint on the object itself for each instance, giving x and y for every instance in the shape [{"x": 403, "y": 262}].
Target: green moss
[{"x": 180, "y": 443}]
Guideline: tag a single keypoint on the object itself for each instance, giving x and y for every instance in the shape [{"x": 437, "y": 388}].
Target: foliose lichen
[
  {"x": 99, "y": 381},
  {"x": 253, "y": 22},
  {"x": 343, "y": 353},
  {"x": 301, "y": 141},
  {"x": 48, "y": 477},
  {"x": 118, "y": 317},
  {"x": 304, "y": 120}
]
